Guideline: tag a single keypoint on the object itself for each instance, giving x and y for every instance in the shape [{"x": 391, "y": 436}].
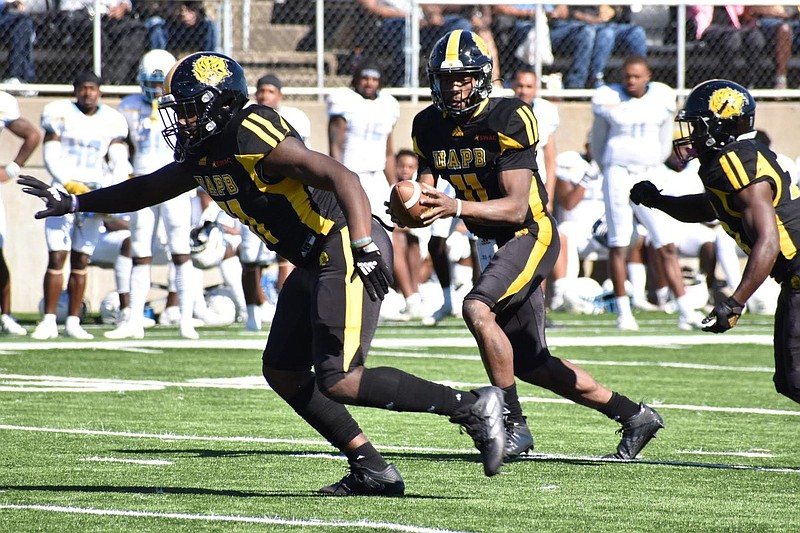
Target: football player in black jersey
[
  {"x": 310, "y": 210},
  {"x": 756, "y": 203},
  {"x": 487, "y": 149}
]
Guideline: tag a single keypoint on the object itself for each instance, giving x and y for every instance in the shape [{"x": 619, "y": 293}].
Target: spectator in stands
[
  {"x": 512, "y": 25},
  {"x": 11, "y": 119},
  {"x": 614, "y": 32},
  {"x": 179, "y": 26},
  {"x": 123, "y": 36},
  {"x": 17, "y": 33},
  {"x": 736, "y": 43},
  {"x": 434, "y": 23},
  {"x": 574, "y": 37},
  {"x": 778, "y": 24}
]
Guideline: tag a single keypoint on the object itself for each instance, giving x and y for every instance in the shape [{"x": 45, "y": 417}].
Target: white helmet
[
  {"x": 207, "y": 245},
  {"x": 153, "y": 70}
]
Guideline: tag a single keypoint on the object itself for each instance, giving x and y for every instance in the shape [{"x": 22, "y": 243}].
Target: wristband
[
  {"x": 12, "y": 169},
  {"x": 360, "y": 243},
  {"x": 458, "y": 207},
  {"x": 74, "y": 203},
  {"x": 369, "y": 248}
]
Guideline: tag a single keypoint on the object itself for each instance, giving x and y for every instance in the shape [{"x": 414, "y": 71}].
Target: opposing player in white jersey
[
  {"x": 151, "y": 152},
  {"x": 21, "y": 127},
  {"x": 631, "y": 139},
  {"x": 84, "y": 149},
  {"x": 526, "y": 88},
  {"x": 361, "y": 120}
]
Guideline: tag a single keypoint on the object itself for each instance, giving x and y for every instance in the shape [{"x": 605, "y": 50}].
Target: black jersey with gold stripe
[
  {"x": 737, "y": 166},
  {"x": 290, "y": 217},
  {"x": 501, "y": 135}
]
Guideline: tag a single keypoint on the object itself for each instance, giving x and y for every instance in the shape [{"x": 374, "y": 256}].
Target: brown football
[{"x": 404, "y": 203}]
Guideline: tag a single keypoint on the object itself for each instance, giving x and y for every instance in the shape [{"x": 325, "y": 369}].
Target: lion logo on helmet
[
  {"x": 211, "y": 70},
  {"x": 727, "y": 102}
]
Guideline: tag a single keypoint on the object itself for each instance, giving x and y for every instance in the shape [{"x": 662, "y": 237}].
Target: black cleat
[
  {"x": 637, "y": 432},
  {"x": 362, "y": 481},
  {"x": 483, "y": 421},
  {"x": 519, "y": 439}
]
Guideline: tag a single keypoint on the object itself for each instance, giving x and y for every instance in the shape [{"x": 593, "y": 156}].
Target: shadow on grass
[
  {"x": 600, "y": 461},
  {"x": 193, "y": 491}
]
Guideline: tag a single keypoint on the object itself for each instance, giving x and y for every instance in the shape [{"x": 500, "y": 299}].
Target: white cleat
[
  {"x": 76, "y": 331},
  {"x": 627, "y": 323},
  {"x": 45, "y": 331},
  {"x": 692, "y": 321},
  {"x": 439, "y": 315},
  {"x": 187, "y": 331},
  {"x": 9, "y": 325},
  {"x": 126, "y": 330},
  {"x": 170, "y": 317}
]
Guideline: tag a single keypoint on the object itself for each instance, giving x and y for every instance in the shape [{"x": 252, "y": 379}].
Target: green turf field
[{"x": 172, "y": 435}]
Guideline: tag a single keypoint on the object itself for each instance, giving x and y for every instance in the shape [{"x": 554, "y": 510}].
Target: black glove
[
  {"x": 59, "y": 202},
  {"x": 645, "y": 193},
  {"x": 724, "y": 316},
  {"x": 372, "y": 270}
]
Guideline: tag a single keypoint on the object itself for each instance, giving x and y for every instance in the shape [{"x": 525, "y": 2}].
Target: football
[{"x": 404, "y": 203}]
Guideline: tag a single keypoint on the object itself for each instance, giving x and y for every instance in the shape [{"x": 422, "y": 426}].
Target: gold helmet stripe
[
  {"x": 451, "y": 52},
  {"x": 168, "y": 78}
]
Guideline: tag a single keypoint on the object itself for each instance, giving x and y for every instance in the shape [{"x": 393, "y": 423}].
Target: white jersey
[
  {"x": 298, "y": 120},
  {"x": 151, "y": 150},
  {"x": 84, "y": 138},
  {"x": 635, "y": 135},
  {"x": 369, "y": 124},
  {"x": 547, "y": 122},
  {"x": 572, "y": 167},
  {"x": 9, "y": 109},
  {"x": 9, "y": 112}
]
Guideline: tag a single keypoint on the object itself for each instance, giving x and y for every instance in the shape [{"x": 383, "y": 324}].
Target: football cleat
[
  {"x": 519, "y": 439},
  {"x": 693, "y": 320},
  {"x": 362, "y": 481},
  {"x": 627, "y": 323},
  {"x": 45, "y": 330},
  {"x": 74, "y": 330},
  {"x": 187, "y": 330},
  {"x": 10, "y": 326},
  {"x": 637, "y": 432},
  {"x": 483, "y": 421},
  {"x": 170, "y": 317},
  {"x": 438, "y": 316},
  {"x": 126, "y": 330}
]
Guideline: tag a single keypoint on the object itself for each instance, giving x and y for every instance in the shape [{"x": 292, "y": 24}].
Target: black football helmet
[
  {"x": 202, "y": 92},
  {"x": 460, "y": 52},
  {"x": 715, "y": 113}
]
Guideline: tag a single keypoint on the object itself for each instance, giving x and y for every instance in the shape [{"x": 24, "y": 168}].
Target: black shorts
[
  {"x": 323, "y": 319},
  {"x": 787, "y": 338},
  {"x": 511, "y": 286}
]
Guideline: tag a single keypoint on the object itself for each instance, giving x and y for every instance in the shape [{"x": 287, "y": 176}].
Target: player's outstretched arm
[
  {"x": 128, "y": 196},
  {"x": 689, "y": 208}
]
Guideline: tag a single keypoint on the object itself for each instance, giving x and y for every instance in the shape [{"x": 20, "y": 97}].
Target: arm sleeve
[{"x": 138, "y": 193}]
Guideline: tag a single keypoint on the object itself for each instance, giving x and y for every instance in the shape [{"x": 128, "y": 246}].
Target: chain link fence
[{"x": 48, "y": 41}]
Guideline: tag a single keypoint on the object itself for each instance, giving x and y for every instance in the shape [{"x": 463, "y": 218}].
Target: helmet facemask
[{"x": 478, "y": 91}]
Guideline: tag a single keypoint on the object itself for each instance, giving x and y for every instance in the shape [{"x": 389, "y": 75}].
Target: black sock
[
  {"x": 390, "y": 388},
  {"x": 513, "y": 409},
  {"x": 367, "y": 456},
  {"x": 620, "y": 408}
]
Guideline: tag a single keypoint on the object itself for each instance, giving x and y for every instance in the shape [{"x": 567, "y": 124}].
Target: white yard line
[
  {"x": 310, "y": 522},
  {"x": 149, "y": 462},
  {"x": 461, "y": 341}
]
